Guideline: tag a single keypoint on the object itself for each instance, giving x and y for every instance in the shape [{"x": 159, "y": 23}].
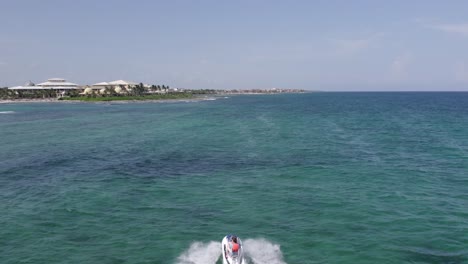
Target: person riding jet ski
[{"x": 232, "y": 250}]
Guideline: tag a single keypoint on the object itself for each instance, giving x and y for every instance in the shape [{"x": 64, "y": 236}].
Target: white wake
[
  {"x": 7, "y": 112},
  {"x": 201, "y": 253},
  {"x": 262, "y": 251},
  {"x": 256, "y": 251}
]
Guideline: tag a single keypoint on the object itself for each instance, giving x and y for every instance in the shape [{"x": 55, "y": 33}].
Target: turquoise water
[{"x": 305, "y": 178}]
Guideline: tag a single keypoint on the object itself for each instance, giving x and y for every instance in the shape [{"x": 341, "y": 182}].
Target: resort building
[
  {"x": 118, "y": 86},
  {"x": 57, "y": 84},
  {"x": 114, "y": 84}
]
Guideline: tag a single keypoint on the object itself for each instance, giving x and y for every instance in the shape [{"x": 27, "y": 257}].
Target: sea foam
[
  {"x": 256, "y": 251},
  {"x": 262, "y": 251},
  {"x": 201, "y": 253}
]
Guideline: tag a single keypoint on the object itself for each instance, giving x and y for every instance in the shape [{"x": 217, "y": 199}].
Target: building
[
  {"x": 57, "y": 84},
  {"x": 114, "y": 84},
  {"x": 118, "y": 86}
]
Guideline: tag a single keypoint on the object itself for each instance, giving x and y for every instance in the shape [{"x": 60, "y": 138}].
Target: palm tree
[
  {"x": 11, "y": 94},
  {"x": 108, "y": 91},
  {"x": 4, "y": 93},
  {"x": 138, "y": 90}
]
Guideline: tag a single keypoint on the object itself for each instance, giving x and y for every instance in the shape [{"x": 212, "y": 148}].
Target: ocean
[{"x": 300, "y": 178}]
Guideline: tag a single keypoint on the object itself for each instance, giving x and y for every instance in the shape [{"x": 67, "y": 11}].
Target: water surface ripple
[{"x": 306, "y": 178}]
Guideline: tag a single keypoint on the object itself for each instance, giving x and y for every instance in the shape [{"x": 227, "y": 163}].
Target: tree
[
  {"x": 4, "y": 93},
  {"x": 108, "y": 91},
  {"x": 72, "y": 93},
  {"x": 139, "y": 89}
]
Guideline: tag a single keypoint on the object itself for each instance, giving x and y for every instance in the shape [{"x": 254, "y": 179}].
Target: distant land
[{"x": 57, "y": 89}]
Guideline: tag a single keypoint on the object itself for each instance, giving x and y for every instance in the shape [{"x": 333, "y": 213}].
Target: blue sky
[{"x": 320, "y": 45}]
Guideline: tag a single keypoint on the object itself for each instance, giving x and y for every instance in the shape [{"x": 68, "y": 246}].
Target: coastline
[
  {"x": 192, "y": 99},
  {"x": 14, "y": 101},
  {"x": 27, "y": 101}
]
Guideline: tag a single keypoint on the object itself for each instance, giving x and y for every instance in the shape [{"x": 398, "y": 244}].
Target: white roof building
[
  {"x": 51, "y": 84},
  {"x": 101, "y": 84},
  {"x": 113, "y": 84},
  {"x": 122, "y": 82},
  {"x": 57, "y": 82}
]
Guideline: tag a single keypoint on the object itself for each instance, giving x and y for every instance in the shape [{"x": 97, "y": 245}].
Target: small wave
[
  {"x": 257, "y": 251},
  {"x": 262, "y": 251},
  {"x": 7, "y": 112},
  {"x": 201, "y": 253}
]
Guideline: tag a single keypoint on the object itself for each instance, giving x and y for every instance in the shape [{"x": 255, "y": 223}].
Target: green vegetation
[
  {"x": 137, "y": 92},
  {"x": 204, "y": 91},
  {"x": 124, "y": 92},
  {"x": 91, "y": 98},
  {"x": 26, "y": 94}
]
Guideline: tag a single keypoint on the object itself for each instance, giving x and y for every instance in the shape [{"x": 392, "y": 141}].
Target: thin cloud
[
  {"x": 461, "y": 72},
  {"x": 400, "y": 66},
  {"x": 452, "y": 28},
  {"x": 203, "y": 61},
  {"x": 353, "y": 46}
]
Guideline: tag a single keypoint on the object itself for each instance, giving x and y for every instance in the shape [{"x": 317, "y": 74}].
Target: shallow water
[{"x": 305, "y": 178}]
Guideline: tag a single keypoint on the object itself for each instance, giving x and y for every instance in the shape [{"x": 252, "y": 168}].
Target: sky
[{"x": 329, "y": 45}]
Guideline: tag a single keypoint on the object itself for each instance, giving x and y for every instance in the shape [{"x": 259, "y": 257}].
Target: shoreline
[
  {"x": 195, "y": 98},
  {"x": 13, "y": 101},
  {"x": 25, "y": 101}
]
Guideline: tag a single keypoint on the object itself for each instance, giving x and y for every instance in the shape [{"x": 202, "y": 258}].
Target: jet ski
[{"x": 233, "y": 251}]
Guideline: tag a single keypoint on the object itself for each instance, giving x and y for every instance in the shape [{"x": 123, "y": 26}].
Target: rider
[{"x": 235, "y": 244}]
